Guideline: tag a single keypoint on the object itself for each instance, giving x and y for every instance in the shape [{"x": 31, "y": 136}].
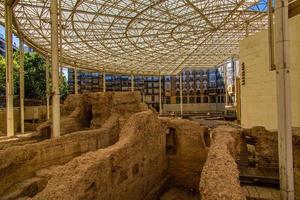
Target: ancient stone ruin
[{"x": 113, "y": 147}]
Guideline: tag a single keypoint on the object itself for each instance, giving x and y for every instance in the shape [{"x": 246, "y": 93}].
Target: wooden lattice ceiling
[{"x": 142, "y": 36}]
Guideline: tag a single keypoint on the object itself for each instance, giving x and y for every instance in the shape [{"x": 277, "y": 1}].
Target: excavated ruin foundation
[{"x": 113, "y": 147}]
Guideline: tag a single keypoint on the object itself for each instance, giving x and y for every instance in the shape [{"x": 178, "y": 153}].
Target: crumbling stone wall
[
  {"x": 89, "y": 121},
  {"x": 266, "y": 146},
  {"x": 18, "y": 163},
  {"x": 220, "y": 175},
  {"x": 266, "y": 150},
  {"x": 129, "y": 169},
  {"x": 91, "y": 110},
  {"x": 187, "y": 144},
  {"x": 83, "y": 112}
]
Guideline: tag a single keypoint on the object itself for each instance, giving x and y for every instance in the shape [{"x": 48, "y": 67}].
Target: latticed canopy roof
[{"x": 142, "y": 36}]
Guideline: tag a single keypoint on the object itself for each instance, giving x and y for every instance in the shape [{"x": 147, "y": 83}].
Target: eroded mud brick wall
[
  {"x": 129, "y": 169},
  {"x": 186, "y": 149},
  {"x": 266, "y": 151},
  {"x": 220, "y": 175},
  {"x": 20, "y": 162},
  {"x": 91, "y": 110},
  {"x": 89, "y": 122}
]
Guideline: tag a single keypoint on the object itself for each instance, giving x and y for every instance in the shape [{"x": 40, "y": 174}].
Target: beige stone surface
[
  {"x": 266, "y": 146},
  {"x": 89, "y": 122},
  {"x": 127, "y": 170},
  {"x": 18, "y": 163},
  {"x": 220, "y": 175},
  {"x": 186, "y": 160},
  {"x": 266, "y": 151},
  {"x": 258, "y": 95}
]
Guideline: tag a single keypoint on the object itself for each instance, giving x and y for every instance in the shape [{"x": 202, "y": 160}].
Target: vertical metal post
[
  {"x": 234, "y": 78},
  {"x": 132, "y": 82},
  {"x": 226, "y": 89},
  {"x": 180, "y": 90},
  {"x": 55, "y": 71},
  {"x": 282, "y": 63},
  {"x": 9, "y": 72},
  {"x": 75, "y": 81},
  {"x": 104, "y": 82},
  {"x": 143, "y": 91},
  {"x": 21, "y": 59},
  {"x": 160, "y": 103},
  {"x": 247, "y": 28},
  {"x": 47, "y": 89},
  {"x": 271, "y": 35},
  {"x": 60, "y": 38}
]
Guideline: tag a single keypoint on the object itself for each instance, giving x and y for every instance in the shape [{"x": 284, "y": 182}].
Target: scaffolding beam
[
  {"x": 47, "y": 89},
  {"x": 21, "y": 60},
  {"x": 282, "y": 63},
  {"x": 55, "y": 71},
  {"x": 9, "y": 72}
]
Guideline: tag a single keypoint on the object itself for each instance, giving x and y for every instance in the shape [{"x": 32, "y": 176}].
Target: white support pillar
[
  {"x": 75, "y": 81},
  {"x": 160, "y": 102},
  {"x": 9, "y": 72},
  {"x": 282, "y": 63},
  {"x": 180, "y": 90},
  {"x": 271, "y": 35},
  {"x": 60, "y": 38},
  {"x": 104, "y": 81},
  {"x": 143, "y": 92},
  {"x": 225, "y": 81},
  {"x": 234, "y": 78},
  {"x": 247, "y": 28},
  {"x": 132, "y": 82},
  {"x": 21, "y": 59},
  {"x": 55, "y": 71},
  {"x": 47, "y": 89}
]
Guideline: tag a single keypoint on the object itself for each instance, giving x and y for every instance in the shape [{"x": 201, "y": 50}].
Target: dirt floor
[{"x": 176, "y": 193}]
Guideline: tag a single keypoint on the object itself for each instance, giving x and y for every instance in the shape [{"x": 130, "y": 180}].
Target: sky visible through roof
[{"x": 260, "y": 6}]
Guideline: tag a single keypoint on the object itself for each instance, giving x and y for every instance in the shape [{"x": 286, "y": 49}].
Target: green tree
[
  {"x": 16, "y": 68},
  {"x": 34, "y": 78}
]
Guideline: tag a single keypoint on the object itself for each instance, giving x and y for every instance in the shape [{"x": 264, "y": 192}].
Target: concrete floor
[{"x": 263, "y": 193}]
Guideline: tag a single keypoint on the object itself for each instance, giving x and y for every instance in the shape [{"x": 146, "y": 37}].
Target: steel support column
[
  {"x": 75, "y": 81},
  {"x": 160, "y": 102},
  {"x": 282, "y": 63},
  {"x": 9, "y": 72},
  {"x": 132, "y": 83},
  {"x": 180, "y": 90},
  {"x": 47, "y": 89},
  {"x": 271, "y": 34},
  {"x": 104, "y": 82},
  {"x": 21, "y": 60},
  {"x": 55, "y": 70},
  {"x": 143, "y": 91},
  {"x": 225, "y": 82}
]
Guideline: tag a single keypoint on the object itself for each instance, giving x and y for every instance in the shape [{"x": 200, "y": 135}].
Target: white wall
[{"x": 258, "y": 95}]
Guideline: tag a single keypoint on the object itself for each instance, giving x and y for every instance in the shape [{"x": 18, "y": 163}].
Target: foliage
[
  {"x": 16, "y": 68},
  {"x": 35, "y": 78}
]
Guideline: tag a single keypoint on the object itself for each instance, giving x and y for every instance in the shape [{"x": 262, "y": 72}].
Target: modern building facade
[
  {"x": 15, "y": 46},
  {"x": 204, "y": 90}
]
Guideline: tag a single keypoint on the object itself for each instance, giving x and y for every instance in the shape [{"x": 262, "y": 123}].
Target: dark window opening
[
  {"x": 171, "y": 142},
  {"x": 88, "y": 116}
]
